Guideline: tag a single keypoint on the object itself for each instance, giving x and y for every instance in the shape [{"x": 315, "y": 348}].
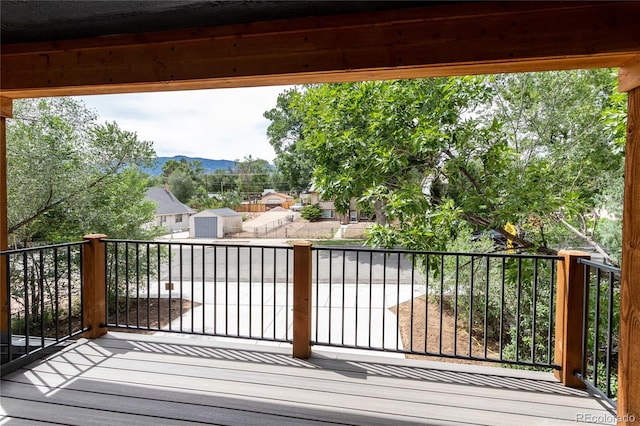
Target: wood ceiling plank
[{"x": 418, "y": 43}]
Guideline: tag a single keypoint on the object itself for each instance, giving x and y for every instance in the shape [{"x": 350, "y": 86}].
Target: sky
[{"x": 220, "y": 124}]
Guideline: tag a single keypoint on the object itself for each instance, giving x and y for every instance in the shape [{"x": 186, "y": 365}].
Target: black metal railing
[
  {"x": 44, "y": 287},
  {"x": 600, "y": 329},
  {"x": 486, "y": 307},
  {"x": 211, "y": 289}
]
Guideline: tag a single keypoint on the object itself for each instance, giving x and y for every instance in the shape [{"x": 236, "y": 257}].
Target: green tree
[
  {"x": 558, "y": 128},
  {"x": 253, "y": 175},
  {"x": 221, "y": 180},
  {"x": 187, "y": 180},
  {"x": 193, "y": 168},
  {"x": 229, "y": 199},
  {"x": 534, "y": 150},
  {"x": 68, "y": 175},
  {"x": 182, "y": 186},
  {"x": 293, "y": 162}
]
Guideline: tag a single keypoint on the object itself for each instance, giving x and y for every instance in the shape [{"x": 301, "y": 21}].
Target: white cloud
[{"x": 218, "y": 124}]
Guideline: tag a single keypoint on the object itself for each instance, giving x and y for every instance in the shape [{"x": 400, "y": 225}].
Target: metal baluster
[
  {"x": 596, "y": 330},
  {"x": 585, "y": 322},
  {"x": 486, "y": 304},
  {"x": 441, "y": 301},
  {"x": 250, "y": 291},
  {"x": 204, "y": 293},
  {"x": 455, "y": 308},
  {"x": 275, "y": 282},
  {"x": 148, "y": 271},
  {"x": 535, "y": 310},
  {"x": 370, "y": 295},
  {"x": 502, "y": 308},
  {"x": 126, "y": 279},
  {"x": 471, "y": 307},
  {"x": 41, "y": 290},
  {"x": 137, "y": 285},
  {"x": 56, "y": 293},
  {"x": 344, "y": 289},
  {"x": 609, "y": 333},
  {"x": 170, "y": 284},
  {"x": 357, "y": 291},
  {"x": 518, "y": 298},
  {"x": 426, "y": 303}
]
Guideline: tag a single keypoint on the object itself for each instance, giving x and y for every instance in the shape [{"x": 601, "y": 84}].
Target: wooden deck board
[{"x": 133, "y": 379}]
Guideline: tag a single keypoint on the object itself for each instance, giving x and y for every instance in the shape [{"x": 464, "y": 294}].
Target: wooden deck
[{"x": 131, "y": 379}]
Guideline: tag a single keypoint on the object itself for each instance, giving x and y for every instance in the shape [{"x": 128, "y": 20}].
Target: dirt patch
[
  {"x": 151, "y": 313},
  {"x": 142, "y": 313},
  {"x": 426, "y": 330}
]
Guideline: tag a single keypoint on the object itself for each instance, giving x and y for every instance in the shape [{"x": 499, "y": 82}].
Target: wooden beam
[
  {"x": 629, "y": 347},
  {"x": 6, "y": 107},
  {"x": 302, "y": 266},
  {"x": 569, "y": 317},
  {"x": 6, "y": 111},
  {"x": 94, "y": 290},
  {"x": 453, "y": 39},
  {"x": 4, "y": 234},
  {"x": 629, "y": 75}
]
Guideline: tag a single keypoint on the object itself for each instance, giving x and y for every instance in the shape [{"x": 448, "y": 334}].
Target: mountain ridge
[{"x": 209, "y": 165}]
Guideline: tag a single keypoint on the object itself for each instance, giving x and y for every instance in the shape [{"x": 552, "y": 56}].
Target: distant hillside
[{"x": 209, "y": 165}]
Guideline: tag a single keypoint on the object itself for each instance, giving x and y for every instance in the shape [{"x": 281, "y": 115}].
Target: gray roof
[
  {"x": 224, "y": 212},
  {"x": 166, "y": 202}
]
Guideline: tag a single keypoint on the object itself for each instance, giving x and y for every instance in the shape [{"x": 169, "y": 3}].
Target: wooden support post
[
  {"x": 302, "y": 265},
  {"x": 94, "y": 291},
  {"x": 629, "y": 346},
  {"x": 569, "y": 317},
  {"x": 5, "y": 112}
]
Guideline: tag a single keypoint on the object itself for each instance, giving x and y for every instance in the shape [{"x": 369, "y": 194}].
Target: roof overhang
[{"x": 434, "y": 40}]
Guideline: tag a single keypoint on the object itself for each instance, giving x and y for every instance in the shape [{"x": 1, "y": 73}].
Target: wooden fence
[{"x": 259, "y": 208}]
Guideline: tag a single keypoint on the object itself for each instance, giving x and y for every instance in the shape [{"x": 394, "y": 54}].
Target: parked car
[
  {"x": 499, "y": 240},
  {"x": 296, "y": 207}
]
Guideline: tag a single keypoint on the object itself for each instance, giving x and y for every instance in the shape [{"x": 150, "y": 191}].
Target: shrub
[{"x": 311, "y": 213}]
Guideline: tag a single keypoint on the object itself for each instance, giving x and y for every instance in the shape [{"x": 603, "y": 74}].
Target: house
[
  {"x": 170, "y": 212},
  {"x": 328, "y": 208},
  {"x": 71, "y": 48},
  {"x": 214, "y": 223},
  {"x": 276, "y": 199}
]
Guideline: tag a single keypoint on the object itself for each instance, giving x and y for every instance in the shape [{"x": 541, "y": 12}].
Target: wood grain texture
[
  {"x": 94, "y": 282},
  {"x": 302, "y": 267},
  {"x": 124, "y": 378},
  {"x": 449, "y": 39},
  {"x": 569, "y": 317},
  {"x": 629, "y": 75},
  {"x": 6, "y": 107},
  {"x": 629, "y": 351}
]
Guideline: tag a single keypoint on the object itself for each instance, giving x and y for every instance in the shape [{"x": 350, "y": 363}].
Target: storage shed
[{"x": 214, "y": 223}]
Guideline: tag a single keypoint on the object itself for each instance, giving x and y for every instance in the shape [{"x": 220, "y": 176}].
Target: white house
[
  {"x": 214, "y": 223},
  {"x": 170, "y": 212}
]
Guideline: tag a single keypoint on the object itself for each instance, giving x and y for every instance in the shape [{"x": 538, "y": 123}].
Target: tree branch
[
  {"x": 597, "y": 247},
  {"x": 49, "y": 206}
]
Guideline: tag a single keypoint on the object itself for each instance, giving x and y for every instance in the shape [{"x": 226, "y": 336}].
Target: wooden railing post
[
  {"x": 629, "y": 347},
  {"x": 302, "y": 265},
  {"x": 569, "y": 317},
  {"x": 94, "y": 291},
  {"x": 5, "y": 112}
]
